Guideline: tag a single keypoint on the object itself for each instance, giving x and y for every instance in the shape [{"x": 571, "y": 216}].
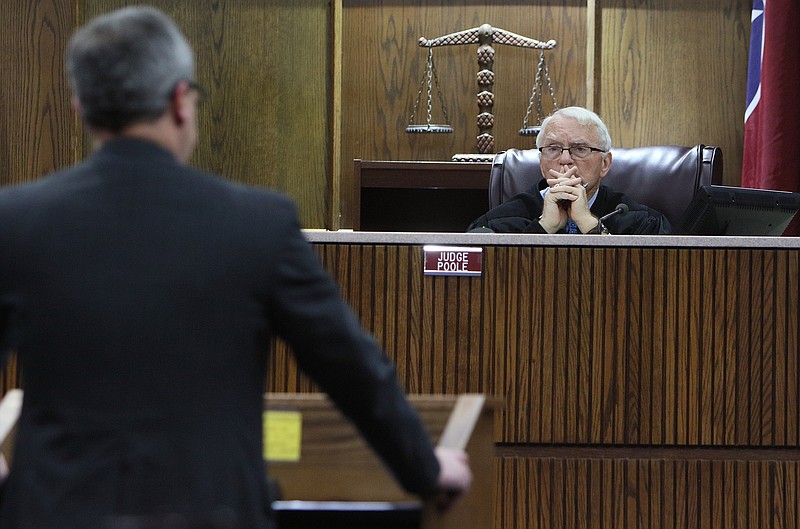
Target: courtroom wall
[
  {"x": 264, "y": 65},
  {"x": 658, "y": 71},
  {"x": 384, "y": 64},
  {"x": 37, "y": 126},
  {"x": 674, "y": 72},
  {"x": 297, "y": 89}
]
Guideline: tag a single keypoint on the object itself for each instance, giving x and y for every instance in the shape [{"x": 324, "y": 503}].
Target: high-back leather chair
[{"x": 662, "y": 177}]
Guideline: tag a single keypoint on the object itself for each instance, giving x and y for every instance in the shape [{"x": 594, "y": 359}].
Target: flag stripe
[{"x": 754, "y": 64}]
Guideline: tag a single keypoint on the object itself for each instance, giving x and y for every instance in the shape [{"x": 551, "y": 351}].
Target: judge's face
[{"x": 568, "y": 132}]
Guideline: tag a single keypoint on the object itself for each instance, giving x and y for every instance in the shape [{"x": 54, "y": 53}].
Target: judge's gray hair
[{"x": 582, "y": 116}]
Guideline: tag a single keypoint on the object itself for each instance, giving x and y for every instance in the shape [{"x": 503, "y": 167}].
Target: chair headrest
[{"x": 663, "y": 177}]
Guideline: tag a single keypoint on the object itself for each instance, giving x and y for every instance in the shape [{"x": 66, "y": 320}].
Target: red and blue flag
[{"x": 771, "y": 158}]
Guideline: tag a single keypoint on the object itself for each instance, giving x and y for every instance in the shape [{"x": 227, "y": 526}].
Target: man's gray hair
[
  {"x": 582, "y": 116},
  {"x": 123, "y": 66}
]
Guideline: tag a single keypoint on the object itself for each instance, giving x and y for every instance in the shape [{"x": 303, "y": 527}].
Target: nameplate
[{"x": 453, "y": 260}]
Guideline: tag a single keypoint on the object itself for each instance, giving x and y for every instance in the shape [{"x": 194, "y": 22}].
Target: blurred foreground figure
[{"x": 141, "y": 295}]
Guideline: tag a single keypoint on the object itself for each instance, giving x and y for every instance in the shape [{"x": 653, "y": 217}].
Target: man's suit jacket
[
  {"x": 520, "y": 214},
  {"x": 140, "y": 295}
]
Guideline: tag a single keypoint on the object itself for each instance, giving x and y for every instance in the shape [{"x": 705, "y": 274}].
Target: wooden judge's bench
[{"x": 644, "y": 381}]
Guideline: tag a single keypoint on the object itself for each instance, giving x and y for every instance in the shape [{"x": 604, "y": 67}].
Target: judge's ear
[{"x": 606, "y": 163}]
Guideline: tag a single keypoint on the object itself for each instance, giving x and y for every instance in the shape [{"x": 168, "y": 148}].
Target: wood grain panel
[
  {"x": 10, "y": 375},
  {"x": 383, "y": 65},
  {"x": 674, "y": 72},
  {"x": 645, "y": 347},
  {"x": 265, "y": 66},
  {"x": 37, "y": 126},
  {"x": 653, "y": 493}
]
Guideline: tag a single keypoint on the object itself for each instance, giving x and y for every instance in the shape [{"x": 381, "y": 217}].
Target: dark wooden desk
[{"x": 419, "y": 196}]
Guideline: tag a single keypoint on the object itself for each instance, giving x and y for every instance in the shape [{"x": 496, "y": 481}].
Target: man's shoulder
[
  {"x": 32, "y": 189},
  {"x": 247, "y": 200},
  {"x": 244, "y": 192}
]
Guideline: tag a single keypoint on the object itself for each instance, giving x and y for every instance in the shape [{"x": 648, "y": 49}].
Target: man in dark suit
[
  {"x": 141, "y": 294},
  {"x": 574, "y": 156}
]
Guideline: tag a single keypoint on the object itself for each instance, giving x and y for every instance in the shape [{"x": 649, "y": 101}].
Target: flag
[{"x": 771, "y": 158}]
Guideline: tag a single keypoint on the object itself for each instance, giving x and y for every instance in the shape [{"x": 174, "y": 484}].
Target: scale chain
[
  {"x": 536, "y": 82},
  {"x": 429, "y": 77},
  {"x": 542, "y": 76}
]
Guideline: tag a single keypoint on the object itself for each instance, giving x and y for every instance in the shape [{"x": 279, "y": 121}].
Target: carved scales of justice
[{"x": 484, "y": 36}]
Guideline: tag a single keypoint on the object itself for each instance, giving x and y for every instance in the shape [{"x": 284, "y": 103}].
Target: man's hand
[
  {"x": 558, "y": 201},
  {"x": 569, "y": 195},
  {"x": 455, "y": 477}
]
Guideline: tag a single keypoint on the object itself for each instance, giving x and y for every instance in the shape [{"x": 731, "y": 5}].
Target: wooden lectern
[{"x": 336, "y": 465}]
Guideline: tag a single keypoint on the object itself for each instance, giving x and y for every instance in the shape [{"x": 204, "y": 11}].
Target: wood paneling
[
  {"x": 383, "y": 65},
  {"x": 642, "y": 386},
  {"x": 37, "y": 124},
  {"x": 264, "y": 64},
  {"x": 635, "y": 346},
  {"x": 652, "y": 493},
  {"x": 10, "y": 375},
  {"x": 265, "y": 67},
  {"x": 674, "y": 73}
]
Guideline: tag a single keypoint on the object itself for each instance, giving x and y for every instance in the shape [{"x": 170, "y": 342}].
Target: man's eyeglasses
[
  {"x": 192, "y": 86},
  {"x": 551, "y": 152},
  {"x": 201, "y": 92}
]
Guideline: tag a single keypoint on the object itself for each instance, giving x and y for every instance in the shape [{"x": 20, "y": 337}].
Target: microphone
[
  {"x": 621, "y": 209},
  {"x": 481, "y": 229}
]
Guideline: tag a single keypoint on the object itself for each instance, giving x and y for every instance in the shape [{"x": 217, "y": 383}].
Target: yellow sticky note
[{"x": 282, "y": 435}]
